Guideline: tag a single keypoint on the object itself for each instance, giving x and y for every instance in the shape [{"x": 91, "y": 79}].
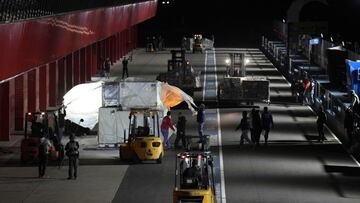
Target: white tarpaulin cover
[{"x": 83, "y": 101}]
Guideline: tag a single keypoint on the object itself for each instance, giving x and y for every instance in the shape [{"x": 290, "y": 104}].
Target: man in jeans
[
  {"x": 72, "y": 151},
  {"x": 43, "y": 155},
  {"x": 267, "y": 123},
  {"x": 165, "y": 125}
]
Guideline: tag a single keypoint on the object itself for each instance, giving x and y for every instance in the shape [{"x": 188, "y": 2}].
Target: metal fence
[{"x": 15, "y": 10}]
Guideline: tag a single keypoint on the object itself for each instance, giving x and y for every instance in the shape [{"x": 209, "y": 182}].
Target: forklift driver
[
  {"x": 192, "y": 176},
  {"x": 37, "y": 128}
]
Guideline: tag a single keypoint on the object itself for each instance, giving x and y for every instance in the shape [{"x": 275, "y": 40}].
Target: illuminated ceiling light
[
  {"x": 283, "y": 21},
  {"x": 322, "y": 35},
  {"x": 163, "y": 2},
  {"x": 168, "y": 2},
  {"x": 331, "y": 39},
  {"x": 247, "y": 61},
  {"x": 227, "y": 61},
  {"x": 343, "y": 43}
]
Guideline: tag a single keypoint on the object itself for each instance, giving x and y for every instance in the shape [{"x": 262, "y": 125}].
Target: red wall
[
  {"x": 42, "y": 61},
  {"x": 36, "y": 42}
]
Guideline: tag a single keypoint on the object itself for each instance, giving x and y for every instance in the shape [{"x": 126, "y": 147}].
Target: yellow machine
[
  {"x": 194, "y": 178},
  {"x": 198, "y": 44},
  {"x": 144, "y": 142},
  {"x": 38, "y": 124}
]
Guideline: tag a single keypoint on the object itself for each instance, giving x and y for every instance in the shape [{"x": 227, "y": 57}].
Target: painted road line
[
  {"x": 205, "y": 67},
  {"x": 337, "y": 139},
  {"x": 222, "y": 174}
]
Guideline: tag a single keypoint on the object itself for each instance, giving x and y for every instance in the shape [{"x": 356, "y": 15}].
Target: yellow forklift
[
  {"x": 194, "y": 178},
  {"x": 143, "y": 142},
  {"x": 37, "y": 125}
]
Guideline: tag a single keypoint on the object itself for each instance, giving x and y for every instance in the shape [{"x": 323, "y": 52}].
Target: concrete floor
[{"x": 292, "y": 168}]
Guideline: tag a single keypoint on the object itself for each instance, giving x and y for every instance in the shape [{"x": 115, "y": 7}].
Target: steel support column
[
  {"x": 69, "y": 72},
  {"x": 53, "y": 84},
  {"x": 43, "y": 87},
  {"x": 4, "y": 111},
  {"x": 76, "y": 67},
  {"x": 19, "y": 102}
]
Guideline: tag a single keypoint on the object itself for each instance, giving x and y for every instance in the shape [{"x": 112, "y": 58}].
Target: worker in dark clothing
[
  {"x": 349, "y": 124},
  {"x": 43, "y": 155},
  {"x": 125, "y": 62},
  {"x": 192, "y": 173},
  {"x": 180, "y": 133},
  {"x": 61, "y": 122},
  {"x": 321, "y": 120},
  {"x": 37, "y": 128},
  {"x": 244, "y": 126},
  {"x": 107, "y": 65},
  {"x": 72, "y": 151},
  {"x": 256, "y": 126},
  {"x": 267, "y": 123}
]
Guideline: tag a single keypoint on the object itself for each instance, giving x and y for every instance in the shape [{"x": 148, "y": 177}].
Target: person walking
[
  {"x": 43, "y": 155},
  {"x": 267, "y": 123},
  {"x": 257, "y": 127},
  {"x": 244, "y": 126},
  {"x": 180, "y": 133},
  {"x": 200, "y": 118},
  {"x": 61, "y": 122},
  {"x": 125, "y": 62},
  {"x": 321, "y": 120},
  {"x": 72, "y": 151},
  {"x": 252, "y": 132},
  {"x": 165, "y": 125},
  {"x": 107, "y": 65}
]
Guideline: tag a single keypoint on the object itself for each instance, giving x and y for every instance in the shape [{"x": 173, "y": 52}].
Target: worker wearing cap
[{"x": 72, "y": 151}]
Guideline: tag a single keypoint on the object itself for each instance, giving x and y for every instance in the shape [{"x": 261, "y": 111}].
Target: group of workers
[
  {"x": 255, "y": 124},
  {"x": 155, "y": 43},
  {"x": 50, "y": 140},
  {"x": 181, "y": 126},
  {"x": 193, "y": 171},
  {"x": 106, "y": 65}
]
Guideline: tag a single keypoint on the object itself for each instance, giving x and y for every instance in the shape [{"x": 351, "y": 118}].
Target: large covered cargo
[
  {"x": 140, "y": 95},
  {"x": 114, "y": 125},
  {"x": 244, "y": 89}
]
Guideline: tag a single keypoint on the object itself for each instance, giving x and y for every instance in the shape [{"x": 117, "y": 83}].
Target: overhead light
[
  {"x": 343, "y": 43},
  {"x": 331, "y": 39},
  {"x": 168, "y": 2},
  {"x": 321, "y": 35},
  {"x": 247, "y": 61},
  {"x": 284, "y": 21},
  {"x": 227, "y": 61},
  {"x": 163, "y": 2}
]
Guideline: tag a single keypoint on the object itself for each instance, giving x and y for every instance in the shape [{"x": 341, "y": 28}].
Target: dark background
[{"x": 241, "y": 23}]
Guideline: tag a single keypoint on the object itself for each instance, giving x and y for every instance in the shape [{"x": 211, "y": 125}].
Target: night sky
[{"x": 241, "y": 23}]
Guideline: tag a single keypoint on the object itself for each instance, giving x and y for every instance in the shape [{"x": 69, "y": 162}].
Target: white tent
[{"x": 83, "y": 101}]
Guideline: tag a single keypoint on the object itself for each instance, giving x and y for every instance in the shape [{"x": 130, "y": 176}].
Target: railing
[{"x": 16, "y": 10}]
